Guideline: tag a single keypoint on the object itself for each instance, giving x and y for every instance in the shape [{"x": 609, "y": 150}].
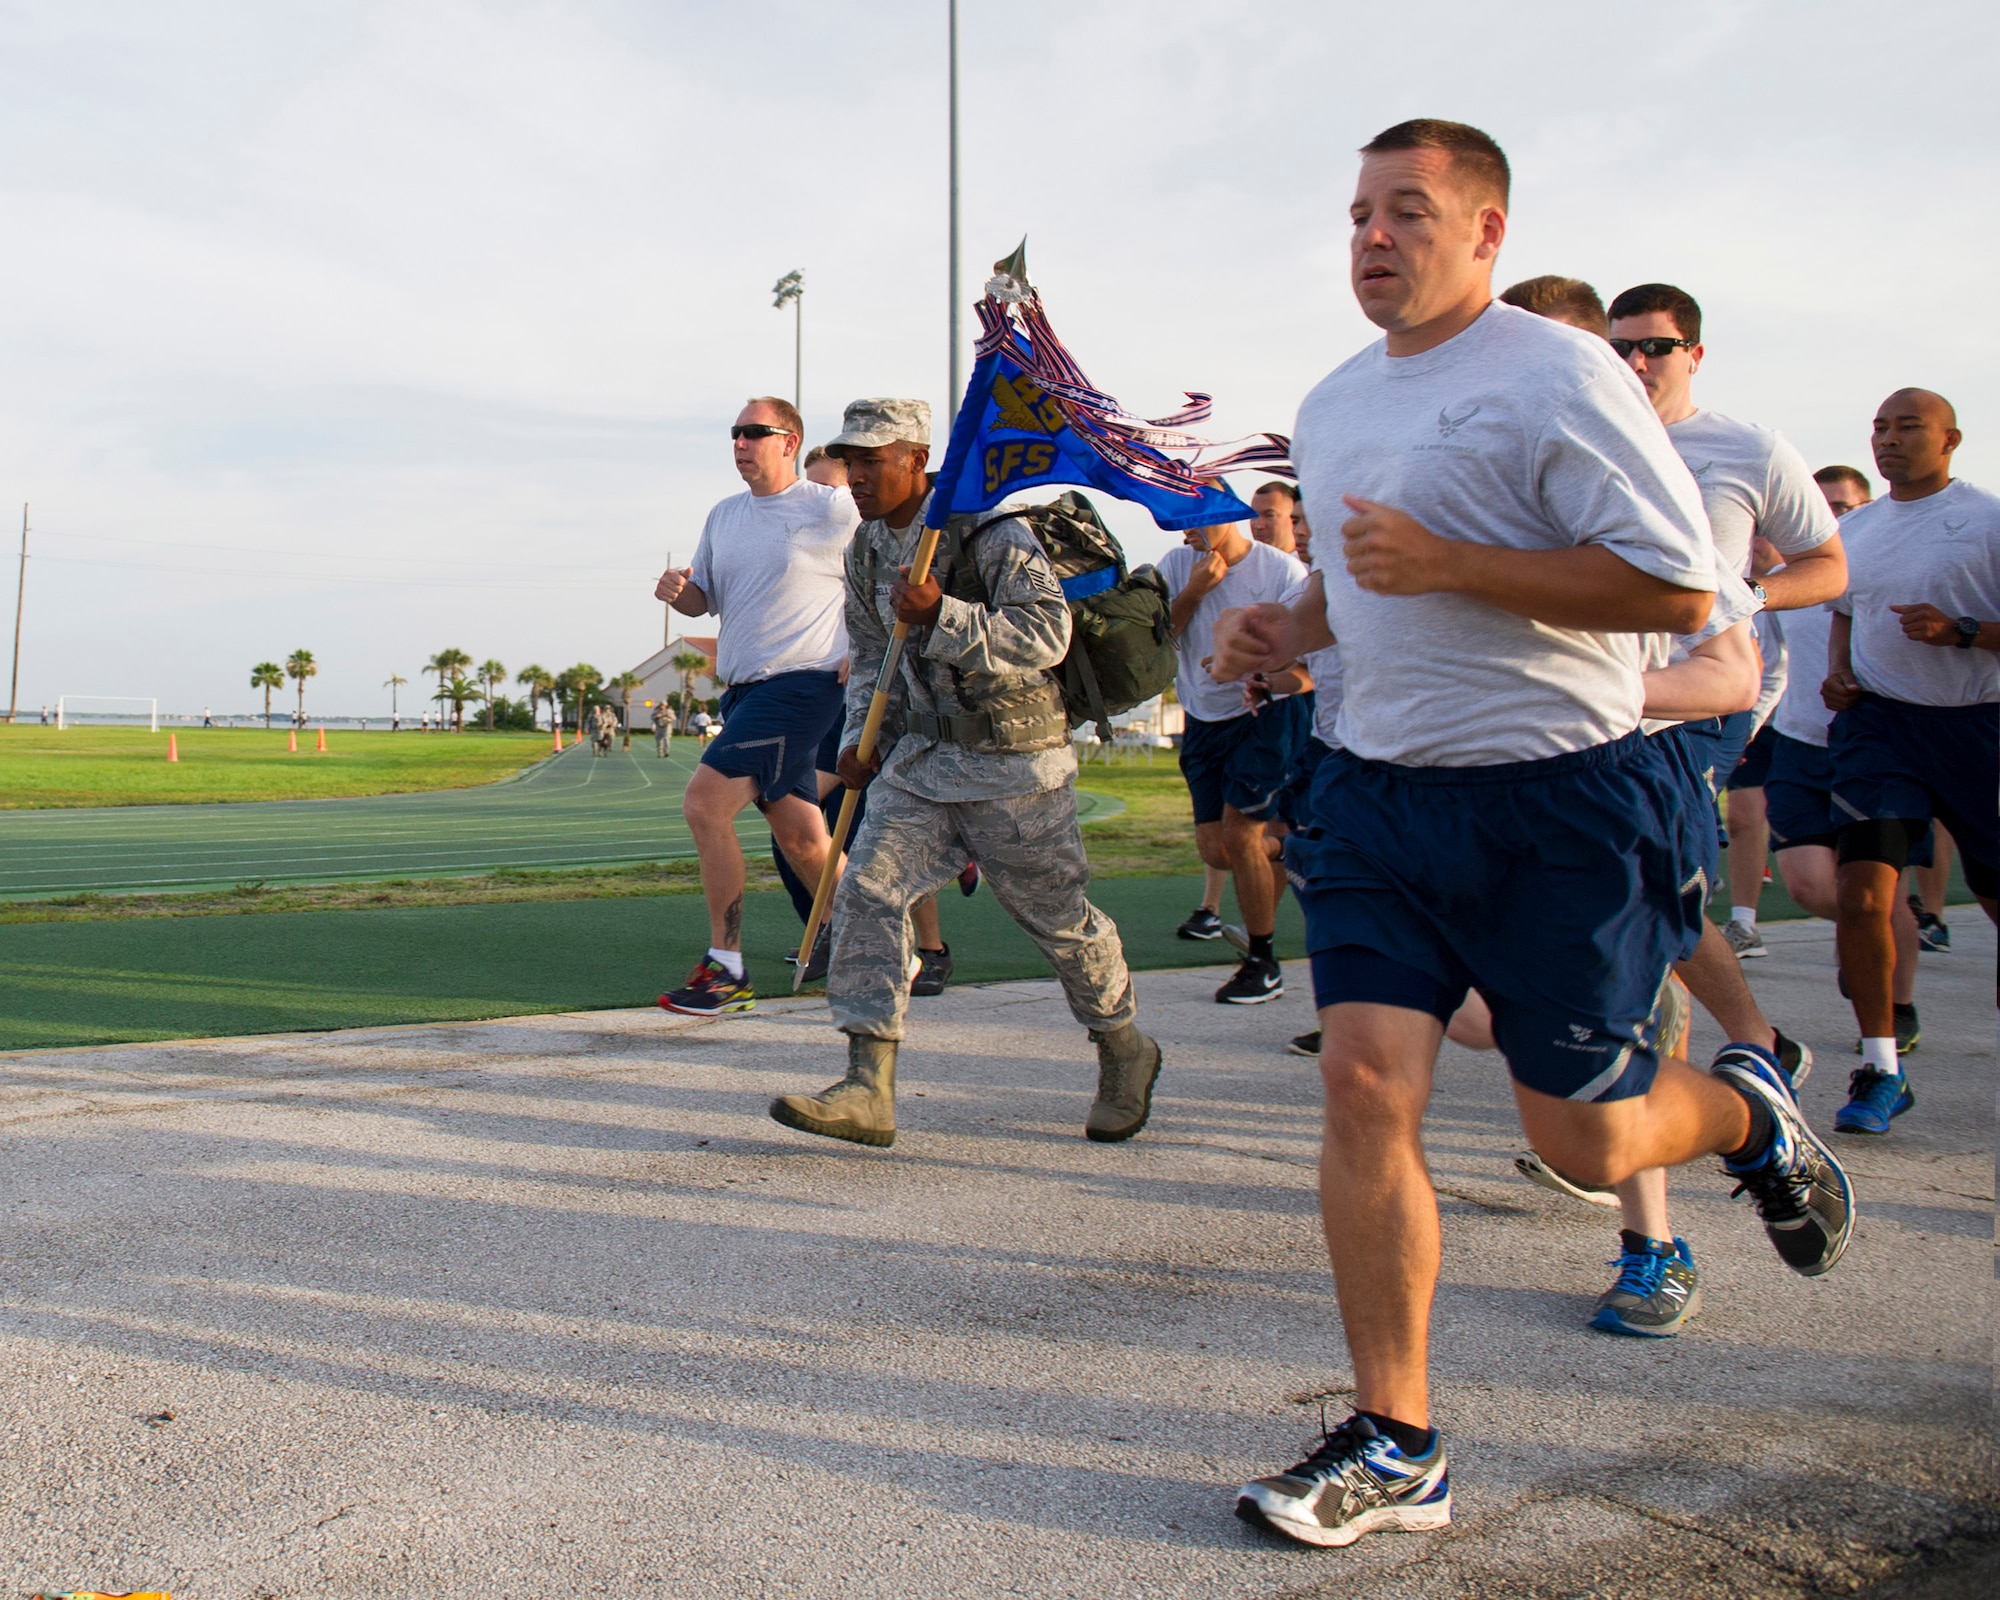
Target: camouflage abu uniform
[{"x": 938, "y": 803}]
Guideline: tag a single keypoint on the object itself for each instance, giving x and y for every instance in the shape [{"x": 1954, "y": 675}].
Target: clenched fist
[
  {"x": 1390, "y": 552},
  {"x": 672, "y": 582}
]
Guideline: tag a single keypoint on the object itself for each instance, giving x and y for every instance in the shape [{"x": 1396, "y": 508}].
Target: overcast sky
[{"x": 377, "y": 329}]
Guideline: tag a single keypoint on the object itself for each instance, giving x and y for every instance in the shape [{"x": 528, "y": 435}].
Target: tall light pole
[
  {"x": 791, "y": 290},
  {"x": 957, "y": 332},
  {"x": 20, "y": 594}
]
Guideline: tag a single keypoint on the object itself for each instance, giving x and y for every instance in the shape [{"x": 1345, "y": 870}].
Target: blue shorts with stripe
[
  {"x": 1893, "y": 760},
  {"x": 1241, "y": 762},
  {"x": 1798, "y": 800},
  {"x": 1563, "y": 890},
  {"x": 771, "y": 732}
]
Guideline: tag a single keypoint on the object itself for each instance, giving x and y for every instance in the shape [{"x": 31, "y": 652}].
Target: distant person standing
[
  {"x": 663, "y": 730},
  {"x": 770, "y": 568}
]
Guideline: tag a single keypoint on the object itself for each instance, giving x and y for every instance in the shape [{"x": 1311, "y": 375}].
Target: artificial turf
[
  {"x": 95, "y": 765},
  {"x": 169, "y": 978}
]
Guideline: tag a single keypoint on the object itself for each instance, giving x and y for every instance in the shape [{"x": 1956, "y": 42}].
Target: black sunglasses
[
  {"x": 1651, "y": 349},
  {"x": 754, "y": 430}
]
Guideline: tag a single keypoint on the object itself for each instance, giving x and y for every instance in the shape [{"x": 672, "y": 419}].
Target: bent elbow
[{"x": 1686, "y": 611}]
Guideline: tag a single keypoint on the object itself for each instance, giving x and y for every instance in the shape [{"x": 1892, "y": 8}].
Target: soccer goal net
[{"x": 107, "y": 708}]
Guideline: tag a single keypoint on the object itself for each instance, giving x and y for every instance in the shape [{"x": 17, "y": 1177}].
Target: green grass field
[{"x": 110, "y": 766}]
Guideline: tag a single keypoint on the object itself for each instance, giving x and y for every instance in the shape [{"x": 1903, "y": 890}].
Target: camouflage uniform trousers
[{"x": 1030, "y": 852}]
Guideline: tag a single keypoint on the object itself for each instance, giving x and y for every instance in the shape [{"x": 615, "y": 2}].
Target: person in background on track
[{"x": 1913, "y": 677}]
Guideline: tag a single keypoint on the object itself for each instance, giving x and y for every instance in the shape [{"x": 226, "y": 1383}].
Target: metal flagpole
[
  {"x": 791, "y": 290},
  {"x": 20, "y": 594},
  {"x": 957, "y": 335}
]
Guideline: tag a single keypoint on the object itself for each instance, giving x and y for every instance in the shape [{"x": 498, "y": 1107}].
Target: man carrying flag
[{"x": 985, "y": 771}]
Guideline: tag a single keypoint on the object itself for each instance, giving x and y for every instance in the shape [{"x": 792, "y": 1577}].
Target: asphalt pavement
[{"x": 548, "y": 1306}]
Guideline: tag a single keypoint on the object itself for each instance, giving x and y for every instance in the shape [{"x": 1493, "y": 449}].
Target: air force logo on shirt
[{"x": 1448, "y": 424}]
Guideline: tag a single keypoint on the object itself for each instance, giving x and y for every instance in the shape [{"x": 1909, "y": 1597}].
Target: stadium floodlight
[
  {"x": 790, "y": 290},
  {"x": 65, "y": 701}
]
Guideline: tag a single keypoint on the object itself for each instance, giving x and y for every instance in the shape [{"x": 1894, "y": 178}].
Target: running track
[{"x": 572, "y": 810}]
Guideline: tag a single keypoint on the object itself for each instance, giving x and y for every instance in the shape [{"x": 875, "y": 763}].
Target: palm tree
[
  {"x": 687, "y": 664},
  {"x": 267, "y": 675},
  {"x": 538, "y": 681},
  {"x": 447, "y": 664},
  {"x": 580, "y": 683},
  {"x": 299, "y": 665},
  {"x": 457, "y": 689},
  {"x": 392, "y": 683},
  {"x": 625, "y": 683},
  {"x": 490, "y": 673}
]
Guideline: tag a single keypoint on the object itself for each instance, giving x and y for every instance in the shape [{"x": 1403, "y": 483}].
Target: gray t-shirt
[
  {"x": 1943, "y": 550},
  {"x": 1519, "y": 432},
  {"x": 1753, "y": 483},
  {"x": 1328, "y": 689},
  {"x": 1801, "y": 713},
  {"x": 772, "y": 568},
  {"x": 1264, "y": 574}
]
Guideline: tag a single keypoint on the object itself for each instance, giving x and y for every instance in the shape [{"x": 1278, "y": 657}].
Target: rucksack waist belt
[{"x": 1031, "y": 725}]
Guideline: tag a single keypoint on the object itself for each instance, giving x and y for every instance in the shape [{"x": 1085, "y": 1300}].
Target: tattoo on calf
[{"x": 732, "y": 924}]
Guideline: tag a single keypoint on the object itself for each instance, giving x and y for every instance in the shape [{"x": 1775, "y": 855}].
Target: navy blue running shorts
[
  {"x": 1798, "y": 801},
  {"x": 1241, "y": 762},
  {"x": 1563, "y": 890},
  {"x": 1755, "y": 766},
  {"x": 1893, "y": 760},
  {"x": 1717, "y": 745},
  {"x": 1295, "y": 799},
  {"x": 771, "y": 732}
]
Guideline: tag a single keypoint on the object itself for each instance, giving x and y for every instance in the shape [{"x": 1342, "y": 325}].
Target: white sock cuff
[
  {"x": 1747, "y": 915},
  {"x": 731, "y": 960},
  {"x": 1881, "y": 1055}
]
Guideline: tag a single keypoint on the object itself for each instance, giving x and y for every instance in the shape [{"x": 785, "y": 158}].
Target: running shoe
[
  {"x": 710, "y": 991},
  {"x": 820, "y": 959},
  {"x": 1655, "y": 1293},
  {"x": 1255, "y": 982},
  {"x": 1795, "y": 1058},
  {"x": 1932, "y": 934},
  {"x": 1744, "y": 940},
  {"x": 968, "y": 880},
  {"x": 1874, "y": 1099},
  {"x": 1356, "y": 1482},
  {"x": 1909, "y": 1032},
  {"x": 1202, "y": 923},
  {"x": 933, "y": 972},
  {"x": 1798, "y": 1185},
  {"x": 1536, "y": 1170},
  {"x": 1304, "y": 1044}
]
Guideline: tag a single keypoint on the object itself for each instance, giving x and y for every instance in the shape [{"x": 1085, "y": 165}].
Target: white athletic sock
[
  {"x": 1881, "y": 1055},
  {"x": 732, "y": 961},
  {"x": 1747, "y": 915}
]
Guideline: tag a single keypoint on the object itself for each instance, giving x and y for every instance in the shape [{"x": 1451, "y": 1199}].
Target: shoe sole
[
  {"x": 1292, "y": 1049},
  {"x": 1250, "y": 999},
  {"x": 1531, "y": 1167},
  {"x": 791, "y": 1117},
  {"x": 1873, "y": 1133},
  {"x": 713, "y": 1011},
  {"x": 1201, "y": 938},
  {"x": 1392, "y": 1519},
  {"x": 1607, "y": 1320},
  {"x": 1753, "y": 953}
]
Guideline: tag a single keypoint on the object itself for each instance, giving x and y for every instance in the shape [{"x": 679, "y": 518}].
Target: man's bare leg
[
  {"x": 1212, "y": 880},
  {"x": 1714, "y": 976},
  {"x": 1376, "y": 1201},
  {"x": 1809, "y": 870},
  {"x": 800, "y": 830},
  {"x": 1749, "y": 847},
  {"x": 711, "y": 805},
  {"x": 1642, "y": 1203},
  {"x": 1245, "y": 841},
  {"x": 1867, "y": 899},
  {"x": 924, "y": 918}
]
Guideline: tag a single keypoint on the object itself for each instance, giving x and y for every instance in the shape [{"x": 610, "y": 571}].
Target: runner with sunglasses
[{"x": 770, "y": 567}]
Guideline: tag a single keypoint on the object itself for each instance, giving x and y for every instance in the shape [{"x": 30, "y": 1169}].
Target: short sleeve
[
  {"x": 702, "y": 567},
  {"x": 1175, "y": 566},
  {"x": 1796, "y": 516}
]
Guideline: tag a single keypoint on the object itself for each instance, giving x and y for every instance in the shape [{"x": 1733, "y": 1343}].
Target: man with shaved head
[
  {"x": 1914, "y": 681},
  {"x": 1500, "y": 518}
]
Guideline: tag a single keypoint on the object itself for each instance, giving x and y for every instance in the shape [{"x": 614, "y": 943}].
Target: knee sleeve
[{"x": 1888, "y": 840}]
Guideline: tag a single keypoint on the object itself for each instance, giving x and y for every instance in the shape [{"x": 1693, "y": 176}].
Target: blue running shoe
[
  {"x": 1657, "y": 1289},
  {"x": 1354, "y": 1483},
  {"x": 1798, "y": 1185},
  {"x": 1873, "y": 1098}
]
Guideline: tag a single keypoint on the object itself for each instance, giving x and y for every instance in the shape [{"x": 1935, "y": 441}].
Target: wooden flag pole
[{"x": 871, "y": 730}]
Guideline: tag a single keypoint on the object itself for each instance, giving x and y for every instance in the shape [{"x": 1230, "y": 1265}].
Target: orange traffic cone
[
  {"x": 558, "y": 728},
  {"x": 295, "y": 738},
  {"x": 322, "y": 738},
  {"x": 173, "y": 748}
]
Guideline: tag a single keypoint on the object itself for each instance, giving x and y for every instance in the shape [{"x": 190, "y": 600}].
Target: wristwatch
[
  {"x": 1968, "y": 632},
  {"x": 1756, "y": 588}
]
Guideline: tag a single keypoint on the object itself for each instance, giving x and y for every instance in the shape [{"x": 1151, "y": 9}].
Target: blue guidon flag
[{"x": 1031, "y": 421}]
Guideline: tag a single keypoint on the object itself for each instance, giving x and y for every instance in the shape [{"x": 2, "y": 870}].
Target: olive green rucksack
[{"x": 1121, "y": 647}]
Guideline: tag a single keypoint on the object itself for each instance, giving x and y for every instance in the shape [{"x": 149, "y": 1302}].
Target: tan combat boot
[
  {"x": 861, "y": 1107},
  {"x": 1127, "y": 1064}
]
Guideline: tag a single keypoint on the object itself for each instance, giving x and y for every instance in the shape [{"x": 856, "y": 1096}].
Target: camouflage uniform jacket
[{"x": 1014, "y": 644}]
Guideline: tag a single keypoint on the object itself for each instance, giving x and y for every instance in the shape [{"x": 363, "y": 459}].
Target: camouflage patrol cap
[{"x": 878, "y": 421}]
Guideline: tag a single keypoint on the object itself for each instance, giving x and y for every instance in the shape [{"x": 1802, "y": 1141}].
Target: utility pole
[
  {"x": 957, "y": 331},
  {"x": 20, "y": 594},
  {"x": 791, "y": 290}
]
